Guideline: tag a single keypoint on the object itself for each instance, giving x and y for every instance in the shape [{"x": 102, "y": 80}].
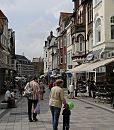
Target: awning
[
  {"x": 91, "y": 66},
  {"x": 79, "y": 68},
  {"x": 97, "y": 64}
]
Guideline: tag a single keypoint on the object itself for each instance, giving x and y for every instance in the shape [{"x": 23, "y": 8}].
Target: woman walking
[{"x": 55, "y": 102}]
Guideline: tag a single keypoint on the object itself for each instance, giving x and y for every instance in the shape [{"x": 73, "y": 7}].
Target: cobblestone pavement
[{"x": 83, "y": 117}]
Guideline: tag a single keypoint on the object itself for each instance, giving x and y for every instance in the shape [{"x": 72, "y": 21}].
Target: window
[
  {"x": 61, "y": 43},
  {"x": 61, "y": 59},
  {"x": 80, "y": 46},
  {"x": 112, "y": 27},
  {"x": 80, "y": 17},
  {"x": 98, "y": 30},
  {"x": 46, "y": 65},
  {"x": 46, "y": 53},
  {"x": 90, "y": 41},
  {"x": 112, "y": 19},
  {"x": 90, "y": 13},
  {"x": 65, "y": 59},
  {"x": 65, "y": 41},
  {"x": 81, "y": 40}
]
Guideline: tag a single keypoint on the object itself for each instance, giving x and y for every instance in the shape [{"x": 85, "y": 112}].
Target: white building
[
  {"x": 103, "y": 26},
  {"x": 50, "y": 54},
  {"x": 46, "y": 55}
]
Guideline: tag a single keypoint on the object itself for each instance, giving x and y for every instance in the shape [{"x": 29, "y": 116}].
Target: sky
[{"x": 32, "y": 21}]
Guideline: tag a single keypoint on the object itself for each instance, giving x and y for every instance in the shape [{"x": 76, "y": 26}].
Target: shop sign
[{"x": 90, "y": 57}]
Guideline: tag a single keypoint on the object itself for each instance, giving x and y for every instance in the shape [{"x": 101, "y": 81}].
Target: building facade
[
  {"x": 38, "y": 64},
  {"x": 50, "y": 55},
  {"x": 78, "y": 31},
  {"x": 7, "y": 51},
  {"x": 62, "y": 42},
  {"x": 24, "y": 67}
]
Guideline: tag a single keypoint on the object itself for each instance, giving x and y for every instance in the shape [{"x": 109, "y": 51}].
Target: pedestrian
[
  {"x": 89, "y": 87},
  {"x": 51, "y": 84},
  {"x": 71, "y": 90},
  {"x": 66, "y": 117},
  {"x": 42, "y": 90},
  {"x": 9, "y": 99},
  {"x": 93, "y": 88},
  {"x": 56, "y": 99},
  {"x": 34, "y": 98}
]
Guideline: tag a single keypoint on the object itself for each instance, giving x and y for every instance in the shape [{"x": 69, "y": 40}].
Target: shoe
[
  {"x": 30, "y": 120},
  {"x": 35, "y": 119}
]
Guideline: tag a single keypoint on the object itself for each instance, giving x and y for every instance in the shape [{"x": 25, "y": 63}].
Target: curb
[
  {"x": 96, "y": 105},
  {"x": 4, "y": 111}
]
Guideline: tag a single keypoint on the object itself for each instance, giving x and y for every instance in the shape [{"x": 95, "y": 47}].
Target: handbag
[
  {"x": 28, "y": 91},
  {"x": 37, "y": 108}
]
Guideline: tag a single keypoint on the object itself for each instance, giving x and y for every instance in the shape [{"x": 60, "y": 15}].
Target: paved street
[{"x": 84, "y": 117}]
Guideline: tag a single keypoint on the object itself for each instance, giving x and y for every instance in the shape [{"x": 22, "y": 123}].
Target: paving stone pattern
[{"x": 83, "y": 117}]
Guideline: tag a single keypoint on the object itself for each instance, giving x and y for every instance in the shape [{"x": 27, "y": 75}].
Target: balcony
[{"x": 77, "y": 28}]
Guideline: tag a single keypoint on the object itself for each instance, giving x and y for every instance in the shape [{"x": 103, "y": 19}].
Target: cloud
[
  {"x": 30, "y": 50},
  {"x": 63, "y": 6},
  {"x": 32, "y": 20}
]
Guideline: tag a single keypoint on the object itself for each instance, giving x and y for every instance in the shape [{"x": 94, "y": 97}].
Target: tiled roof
[{"x": 21, "y": 57}]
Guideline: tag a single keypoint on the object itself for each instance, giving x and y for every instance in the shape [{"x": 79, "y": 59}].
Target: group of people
[{"x": 56, "y": 101}]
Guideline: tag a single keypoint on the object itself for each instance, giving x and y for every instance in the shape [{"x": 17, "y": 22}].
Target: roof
[
  {"x": 3, "y": 19},
  {"x": 63, "y": 16},
  {"x": 20, "y": 57},
  {"x": 2, "y": 15}
]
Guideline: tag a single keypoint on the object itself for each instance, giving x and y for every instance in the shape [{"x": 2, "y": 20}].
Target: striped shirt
[{"x": 34, "y": 87}]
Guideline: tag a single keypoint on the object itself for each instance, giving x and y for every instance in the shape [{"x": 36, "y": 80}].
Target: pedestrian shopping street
[{"x": 84, "y": 116}]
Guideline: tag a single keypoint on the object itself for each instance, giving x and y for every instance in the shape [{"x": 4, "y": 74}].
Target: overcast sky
[{"x": 32, "y": 20}]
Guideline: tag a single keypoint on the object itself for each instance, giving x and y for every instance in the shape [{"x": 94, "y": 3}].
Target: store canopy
[
  {"x": 91, "y": 66},
  {"x": 79, "y": 68},
  {"x": 97, "y": 64}
]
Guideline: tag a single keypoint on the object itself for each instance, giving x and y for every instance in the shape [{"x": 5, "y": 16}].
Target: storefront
[{"x": 98, "y": 70}]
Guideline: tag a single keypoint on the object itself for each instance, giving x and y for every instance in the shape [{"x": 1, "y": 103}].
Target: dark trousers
[
  {"x": 76, "y": 92},
  {"x": 65, "y": 124},
  {"x": 30, "y": 103}
]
